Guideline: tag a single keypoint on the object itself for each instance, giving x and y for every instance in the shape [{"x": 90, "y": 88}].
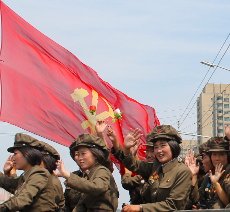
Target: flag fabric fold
[{"x": 48, "y": 91}]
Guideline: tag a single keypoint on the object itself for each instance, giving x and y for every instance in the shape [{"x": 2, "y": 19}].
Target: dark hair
[
  {"x": 32, "y": 156},
  {"x": 175, "y": 148},
  {"x": 49, "y": 162},
  {"x": 102, "y": 158}
]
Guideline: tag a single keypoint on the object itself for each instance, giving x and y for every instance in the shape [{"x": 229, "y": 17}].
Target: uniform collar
[
  {"x": 169, "y": 165},
  {"x": 88, "y": 172},
  {"x": 27, "y": 172}
]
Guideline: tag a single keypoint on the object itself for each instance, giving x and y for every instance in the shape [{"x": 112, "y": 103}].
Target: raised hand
[
  {"x": 134, "y": 149},
  {"x": 100, "y": 128},
  {"x": 132, "y": 139},
  {"x": 9, "y": 168},
  {"x": 61, "y": 169},
  {"x": 110, "y": 133},
  {"x": 218, "y": 173},
  {"x": 112, "y": 136},
  {"x": 190, "y": 161}
]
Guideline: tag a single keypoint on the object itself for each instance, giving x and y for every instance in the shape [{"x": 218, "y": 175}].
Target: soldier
[
  {"x": 200, "y": 177},
  {"x": 219, "y": 178},
  {"x": 169, "y": 180},
  {"x": 97, "y": 186},
  {"x": 32, "y": 190},
  {"x": 137, "y": 184},
  {"x": 50, "y": 156},
  {"x": 72, "y": 196}
]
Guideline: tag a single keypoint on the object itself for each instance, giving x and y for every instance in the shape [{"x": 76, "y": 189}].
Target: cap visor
[
  {"x": 218, "y": 150},
  {"x": 11, "y": 149}
]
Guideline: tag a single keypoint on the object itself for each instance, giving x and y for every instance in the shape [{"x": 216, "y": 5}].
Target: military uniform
[
  {"x": 31, "y": 193},
  {"x": 54, "y": 181},
  {"x": 208, "y": 195},
  {"x": 72, "y": 196},
  {"x": 34, "y": 189},
  {"x": 168, "y": 184},
  {"x": 194, "y": 197},
  {"x": 97, "y": 186},
  {"x": 134, "y": 185},
  {"x": 98, "y": 190}
]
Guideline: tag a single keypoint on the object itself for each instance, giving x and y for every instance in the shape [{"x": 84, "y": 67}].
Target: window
[
  {"x": 219, "y": 98},
  {"x": 219, "y": 117},
  {"x": 220, "y": 125},
  {"x": 227, "y": 118},
  {"x": 226, "y": 105},
  {"x": 220, "y": 131},
  {"x": 219, "y": 105},
  {"x": 219, "y": 111},
  {"x": 226, "y": 99},
  {"x": 226, "y": 112}
]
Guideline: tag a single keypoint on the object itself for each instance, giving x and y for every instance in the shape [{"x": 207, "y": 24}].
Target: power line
[
  {"x": 206, "y": 83},
  {"x": 193, "y": 134},
  {"x": 201, "y": 83}
]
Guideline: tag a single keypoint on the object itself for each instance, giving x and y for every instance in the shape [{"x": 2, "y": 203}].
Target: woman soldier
[
  {"x": 32, "y": 190},
  {"x": 220, "y": 188},
  {"x": 72, "y": 196},
  {"x": 97, "y": 186},
  {"x": 136, "y": 184},
  {"x": 169, "y": 180},
  {"x": 199, "y": 194},
  {"x": 50, "y": 156}
]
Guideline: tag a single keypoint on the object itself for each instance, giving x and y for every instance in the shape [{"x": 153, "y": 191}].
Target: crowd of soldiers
[{"x": 161, "y": 182}]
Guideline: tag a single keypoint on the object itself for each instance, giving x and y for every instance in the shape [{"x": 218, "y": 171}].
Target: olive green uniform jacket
[
  {"x": 207, "y": 195},
  {"x": 134, "y": 184},
  {"x": 34, "y": 191},
  {"x": 169, "y": 185},
  {"x": 72, "y": 196},
  {"x": 57, "y": 194},
  {"x": 98, "y": 190}
]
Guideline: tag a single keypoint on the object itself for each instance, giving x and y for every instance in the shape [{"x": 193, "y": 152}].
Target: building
[{"x": 213, "y": 111}]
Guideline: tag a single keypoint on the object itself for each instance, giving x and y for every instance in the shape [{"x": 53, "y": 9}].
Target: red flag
[{"x": 47, "y": 90}]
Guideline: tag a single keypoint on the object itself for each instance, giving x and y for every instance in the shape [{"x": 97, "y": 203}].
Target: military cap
[
  {"x": 203, "y": 148},
  {"x": 149, "y": 144},
  {"x": 48, "y": 150},
  {"x": 218, "y": 144},
  {"x": 164, "y": 132},
  {"x": 90, "y": 141},
  {"x": 22, "y": 140}
]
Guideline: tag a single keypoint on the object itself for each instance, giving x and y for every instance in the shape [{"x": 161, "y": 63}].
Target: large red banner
[{"x": 48, "y": 91}]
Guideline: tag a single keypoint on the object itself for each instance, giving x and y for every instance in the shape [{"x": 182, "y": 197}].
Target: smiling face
[
  {"x": 20, "y": 161},
  {"x": 219, "y": 158},
  {"x": 162, "y": 151},
  {"x": 84, "y": 158}
]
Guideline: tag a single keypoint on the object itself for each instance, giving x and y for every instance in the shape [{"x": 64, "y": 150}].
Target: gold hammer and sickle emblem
[{"x": 79, "y": 95}]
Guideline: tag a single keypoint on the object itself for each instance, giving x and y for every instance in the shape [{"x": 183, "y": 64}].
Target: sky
[{"x": 150, "y": 50}]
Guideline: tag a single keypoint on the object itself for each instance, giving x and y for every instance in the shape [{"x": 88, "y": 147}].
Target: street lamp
[{"x": 213, "y": 65}]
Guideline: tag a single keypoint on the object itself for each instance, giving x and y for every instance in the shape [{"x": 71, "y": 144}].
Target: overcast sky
[{"x": 150, "y": 50}]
